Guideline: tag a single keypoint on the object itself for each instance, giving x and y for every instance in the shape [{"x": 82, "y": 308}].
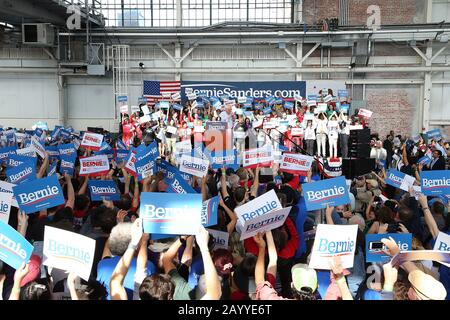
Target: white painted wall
[{"x": 28, "y": 98}]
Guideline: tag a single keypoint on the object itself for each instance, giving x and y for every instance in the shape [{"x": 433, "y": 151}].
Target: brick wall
[
  {"x": 392, "y": 11},
  {"x": 393, "y": 109}
]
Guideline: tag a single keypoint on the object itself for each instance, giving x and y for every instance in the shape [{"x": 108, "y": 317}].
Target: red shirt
[{"x": 287, "y": 252}]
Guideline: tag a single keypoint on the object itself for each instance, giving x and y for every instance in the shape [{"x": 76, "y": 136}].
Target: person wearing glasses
[{"x": 438, "y": 162}]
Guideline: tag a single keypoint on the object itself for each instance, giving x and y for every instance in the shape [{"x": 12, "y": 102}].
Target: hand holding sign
[
  {"x": 392, "y": 246},
  {"x": 136, "y": 232}
]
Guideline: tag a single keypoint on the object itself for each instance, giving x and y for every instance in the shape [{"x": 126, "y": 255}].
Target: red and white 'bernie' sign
[
  {"x": 92, "y": 141},
  {"x": 262, "y": 157},
  {"x": 94, "y": 166},
  {"x": 296, "y": 163},
  {"x": 365, "y": 113},
  {"x": 130, "y": 165}
]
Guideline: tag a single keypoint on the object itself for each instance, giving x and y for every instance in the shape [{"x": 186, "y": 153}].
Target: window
[{"x": 195, "y": 13}]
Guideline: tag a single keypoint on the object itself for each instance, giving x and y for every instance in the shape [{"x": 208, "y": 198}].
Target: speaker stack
[{"x": 359, "y": 162}]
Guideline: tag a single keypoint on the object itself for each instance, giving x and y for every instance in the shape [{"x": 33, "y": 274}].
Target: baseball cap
[
  {"x": 426, "y": 287},
  {"x": 304, "y": 277},
  {"x": 34, "y": 270}
]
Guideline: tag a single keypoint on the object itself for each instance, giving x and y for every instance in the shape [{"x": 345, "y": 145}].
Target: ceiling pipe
[{"x": 151, "y": 34}]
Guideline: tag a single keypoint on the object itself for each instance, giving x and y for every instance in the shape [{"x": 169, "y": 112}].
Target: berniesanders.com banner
[{"x": 258, "y": 90}]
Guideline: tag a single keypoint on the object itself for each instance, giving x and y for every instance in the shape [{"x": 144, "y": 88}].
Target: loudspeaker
[
  {"x": 352, "y": 168},
  {"x": 359, "y": 136},
  {"x": 359, "y": 150}
]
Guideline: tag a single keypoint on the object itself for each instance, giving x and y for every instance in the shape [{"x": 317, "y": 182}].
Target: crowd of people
[{"x": 130, "y": 265}]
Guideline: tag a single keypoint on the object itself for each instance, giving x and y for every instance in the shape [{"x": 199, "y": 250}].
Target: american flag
[{"x": 156, "y": 91}]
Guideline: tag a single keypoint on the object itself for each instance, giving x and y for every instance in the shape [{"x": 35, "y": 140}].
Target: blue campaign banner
[
  {"x": 23, "y": 173},
  {"x": 267, "y": 110},
  {"x": 435, "y": 183},
  {"x": 424, "y": 160},
  {"x": 5, "y": 153},
  {"x": 259, "y": 90},
  {"x": 122, "y": 98},
  {"x": 67, "y": 164},
  {"x": 172, "y": 214},
  {"x": 177, "y": 107},
  {"x": 145, "y": 161},
  {"x": 228, "y": 159},
  {"x": 103, "y": 190},
  {"x": 38, "y": 132},
  {"x": 64, "y": 133},
  {"x": 312, "y": 97},
  {"x": 39, "y": 194},
  {"x": 434, "y": 134},
  {"x": 109, "y": 153},
  {"x": 332, "y": 192},
  {"x": 52, "y": 151},
  {"x": 375, "y": 248},
  {"x": 342, "y": 93},
  {"x": 105, "y": 146},
  {"x": 394, "y": 178},
  {"x": 121, "y": 145},
  {"x": 15, "y": 160},
  {"x": 177, "y": 184},
  {"x": 209, "y": 211},
  {"x": 52, "y": 168},
  {"x": 166, "y": 168},
  {"x": 289, "y": 105},
  {"x": 121, "y": 155},
  {"x": 66, "y": 149},
  {"x": 14, "y": 248}
]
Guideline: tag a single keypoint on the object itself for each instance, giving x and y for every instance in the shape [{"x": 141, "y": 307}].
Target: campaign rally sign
[
  {"x": 37, "y": 146},
  {"x": 258, "y": 90},
  {"x": 14, "y": 249},
  {"x": 262, "y": 205},
  {"x": 39, "y": 194},
  {"x": 28, "y": 152},
  {"x": 442, "y": 242},
  {"x": 424, "y": 160},
  {"x": 365, "y": 113},
  {"x": 92, "y": 141},
  {"x": 95, "y": 165},
  {"x": 145, "y": 161},
  {"x": 6, "y": 152},
  {"x": 399, "y": 179},
  {"x": 165, "y": 213},
  {"x": 266, "y": 222},
  {"x": 177, "y": 184},
  {"x": 262, "y": 157},
  {"x": 22, "y": 173},
  {"x": 296, "y": 163},
  {"x": 15, "y": 160},
  {"x": 333, "y": 240},
  {"x": 435, "y": 183},
  {"x": 67, "y": 164},
  {"x": 297, "y": 132},
  {"x": 331, "y": 192},
  {"x": 120, "y": 155},
  {"x": 375, "y": 249},
  {"x": 434, "y": 134},
  {"x": 195, "y": 166},
  {"x": 228, "y": 159},
  {"x": 130, "y": 161},
  {"x": 220, "y": 239},
  {"x": 209, "y": 211},
  {"x": 5, "y": 206},
  {"x": 52, "y": 168},
  {"x": 68, "y": 251},
  {"x": 67, "y": 149},
  {"x": 103, "y": 190},
  {"x": 7, "y": 187}
]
